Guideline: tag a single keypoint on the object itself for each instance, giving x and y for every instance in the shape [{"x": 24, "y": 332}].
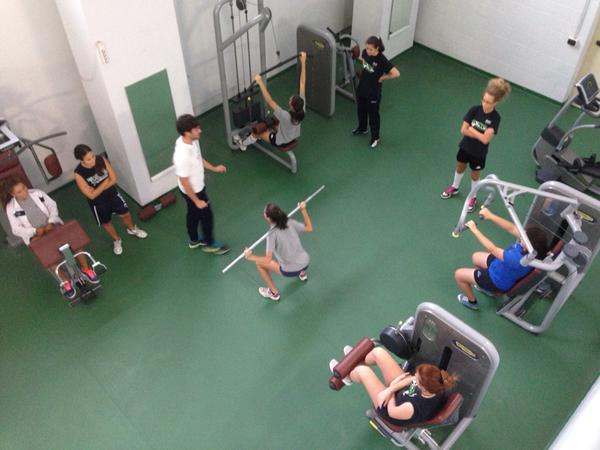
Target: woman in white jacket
[{"x": 32, "y": 214}]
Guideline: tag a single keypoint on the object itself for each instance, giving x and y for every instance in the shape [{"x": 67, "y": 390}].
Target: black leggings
[
  {"x": 196, "y": 215},
  {"x": 368, "y": 109}
]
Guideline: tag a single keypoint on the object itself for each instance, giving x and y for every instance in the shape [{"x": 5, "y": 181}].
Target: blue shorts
[{"x": 291, "y": 274}]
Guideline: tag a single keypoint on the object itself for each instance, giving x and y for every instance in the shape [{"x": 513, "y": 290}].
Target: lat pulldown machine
[{"x": 246, "y": 106}]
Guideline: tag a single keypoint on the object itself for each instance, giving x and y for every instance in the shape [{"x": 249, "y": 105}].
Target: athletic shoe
[
  {"x": 450, "y": 191},
  {"x": 118, "y": 247},
  {"x": 68, "y": 290},
  {"x": 357, "y": 131},
  {"x": 303, "y": 276},
  {"x": 196, "y": 244},
  {"x": 472, "y": 203},
  {"x": 268, "y": 293},
  {"x": 90, "y": 276},
  {"x": 237, "y": 139},
  {"x": 463, "y": 300},
  {"x": 484, "y": 291},
  {"x": 216, "y": 248},
  {"x": 347, "y": 349},
  {"x": 334, "y": 362},
  {"x": 374, "y": 143},
  {"x": 135, "y": 231}
]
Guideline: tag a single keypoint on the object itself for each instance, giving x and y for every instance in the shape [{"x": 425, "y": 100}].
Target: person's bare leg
[
  {"x": 127, "y": 220},
  {"x": 83, "y": 262},
  {"x": 366, "y": 376},
  {"x": 390, "y": 369},
  {"x": 480, "y": 259},
  {"x": 265, "y": 272},
  {"x": 465, "y": 278},
  {"x": 460, "y": 167},
  {"x": 110, "y": 229}
]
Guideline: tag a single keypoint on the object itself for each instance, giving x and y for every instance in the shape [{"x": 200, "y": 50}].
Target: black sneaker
[
  {"x": 216, "y": 248},
  {"x": 357, "y": 131},
  {"x": 196, "y": 244}
]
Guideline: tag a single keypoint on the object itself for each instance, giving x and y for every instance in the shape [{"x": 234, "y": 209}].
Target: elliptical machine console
[{"x": 552, "y": 151}]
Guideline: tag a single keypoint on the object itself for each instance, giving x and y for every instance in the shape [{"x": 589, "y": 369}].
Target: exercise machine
[
  {"x": 56, "y": 252},
  {"x": 432, "y": 336},
  {"x": 571, "y": 221},
  {"x": 552, "y": 151},
  {"x": 13, "y": 146},
  {"x": 245, "y": 109},
  {"x": 348, "y": 51}
]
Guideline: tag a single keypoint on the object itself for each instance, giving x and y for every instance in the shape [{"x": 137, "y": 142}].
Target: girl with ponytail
[
  {"x": 376, "y": 68},
  {"x": 283, "y": 242},
  {"x": 285, "y": 125},
  {"x": 402, "y": 398}
]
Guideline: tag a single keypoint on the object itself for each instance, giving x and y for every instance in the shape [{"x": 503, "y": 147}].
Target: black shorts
[
  {"x": 483, "y": 279},
  {"x": 291, "y": 274},
  {"x": 273, "y": 139},
  {"x": 475, "y": 162},
  {"x": 103, "y": 211}
]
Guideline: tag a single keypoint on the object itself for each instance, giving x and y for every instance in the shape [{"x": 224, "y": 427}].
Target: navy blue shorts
[
  {"x": 483, "y": 279},
  {"x": 291, "y": 274},
  {"x": 103, "y": 211},
  {"x": 475, "y": 162}
]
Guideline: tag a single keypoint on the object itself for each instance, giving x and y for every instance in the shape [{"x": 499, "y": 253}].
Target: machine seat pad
[
  {"x": 452, "y": 404},
  {"x": 45, "y": 248},
  {"x": 289, "y": 146}
]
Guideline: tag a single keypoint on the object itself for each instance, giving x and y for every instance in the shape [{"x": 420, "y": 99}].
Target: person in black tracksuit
[{"x": 375, "y": 69}]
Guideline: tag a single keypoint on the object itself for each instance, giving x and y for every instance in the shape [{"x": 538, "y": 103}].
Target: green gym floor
[{"x": 174, "y": 354}]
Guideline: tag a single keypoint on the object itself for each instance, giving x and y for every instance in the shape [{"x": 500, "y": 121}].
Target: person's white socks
[
  {"x": 457, "y": 179},
  {"x": 474, "y": 184},
  {"x": 249, "y": 140}
]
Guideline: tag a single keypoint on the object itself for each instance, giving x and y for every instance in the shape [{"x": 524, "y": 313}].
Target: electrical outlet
[{"x": 572, "y": 41}]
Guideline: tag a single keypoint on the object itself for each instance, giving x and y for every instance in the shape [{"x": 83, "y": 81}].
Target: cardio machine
[{"x": 552, "y": 152}]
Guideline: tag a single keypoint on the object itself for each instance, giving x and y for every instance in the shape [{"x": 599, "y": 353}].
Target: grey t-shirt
[
  {"x": 35, "y": 215},
  {"x": 287, "y": 248},
  {"x": 287, "y": 130}
]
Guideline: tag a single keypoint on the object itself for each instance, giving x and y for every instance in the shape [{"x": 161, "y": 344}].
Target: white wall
[
  {"x": 138, "y": 45},
  {"x": 40, "y": 91},
  {"x": 523, "y": 41},
  {"x": 196, "y": 28}
]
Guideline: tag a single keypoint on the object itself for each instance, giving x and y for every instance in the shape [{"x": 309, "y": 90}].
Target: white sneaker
[
  {"x": 118, "y": 247},
  {"x": 347, "y": 349},
  {"x": 267, "y": 293},
  {"x": 238, "y": 140},
  {"x": 334, "y": 362},
  {"x": 135, "y": 231}
]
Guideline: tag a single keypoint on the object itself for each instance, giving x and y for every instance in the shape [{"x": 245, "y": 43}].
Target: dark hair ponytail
[
  {"x": 81, "y": 150},
  {"x": 376, "y": 42},
  {"x": 297, "y": 111},
  {"x": 276, "y": 215}
]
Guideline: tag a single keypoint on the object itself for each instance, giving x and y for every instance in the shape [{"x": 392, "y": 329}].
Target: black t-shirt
[
  {"x": 373, "y": 68},
  {"x": 481, "y": 122},
  {"x": 93, "y": 179},
  {"x": 424, "y": 408}
]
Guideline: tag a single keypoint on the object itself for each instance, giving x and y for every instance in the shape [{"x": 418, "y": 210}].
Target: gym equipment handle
[{"x": 264, "y": 236}]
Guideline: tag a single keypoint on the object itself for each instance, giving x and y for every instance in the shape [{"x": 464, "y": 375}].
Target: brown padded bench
[
  {"x": 452, "y": 404},
  {"x": 45, "y": 248}
]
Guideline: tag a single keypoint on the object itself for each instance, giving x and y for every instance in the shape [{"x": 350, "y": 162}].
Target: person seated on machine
[
  {"x": 497, "y": 270},
  {"x": 286, "y": 128},
  {"x": 33, "y": 214},
  {"x": 402, "y": 399}
]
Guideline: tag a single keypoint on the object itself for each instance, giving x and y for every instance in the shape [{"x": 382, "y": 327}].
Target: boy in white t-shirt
[{"x": 189, "y": 168}]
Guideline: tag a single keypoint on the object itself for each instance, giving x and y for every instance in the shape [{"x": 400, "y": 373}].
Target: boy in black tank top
[{"x": 97, "y": 181}]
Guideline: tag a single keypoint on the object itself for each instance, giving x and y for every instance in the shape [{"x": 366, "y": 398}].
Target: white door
[{"x": 392, "y": 20}]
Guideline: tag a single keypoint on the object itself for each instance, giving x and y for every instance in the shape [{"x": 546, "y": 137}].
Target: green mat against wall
[{"x": 153, "y": 112}]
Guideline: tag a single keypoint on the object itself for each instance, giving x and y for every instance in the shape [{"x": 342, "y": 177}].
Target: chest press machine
[
  {"x": 571, "y": 221},
  {"x": 432, "y": 336}
]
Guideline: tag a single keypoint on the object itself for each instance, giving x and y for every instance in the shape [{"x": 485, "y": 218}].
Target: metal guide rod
[{"x": 264, "y": 236}]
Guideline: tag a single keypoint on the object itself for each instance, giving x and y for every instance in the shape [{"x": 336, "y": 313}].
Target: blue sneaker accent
[
  {"x": 217, "y": 248},
  {"x": 463, "y": 300}
]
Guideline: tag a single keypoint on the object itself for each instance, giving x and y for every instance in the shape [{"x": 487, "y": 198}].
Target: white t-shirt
[{"x": 187, "y": 160}]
